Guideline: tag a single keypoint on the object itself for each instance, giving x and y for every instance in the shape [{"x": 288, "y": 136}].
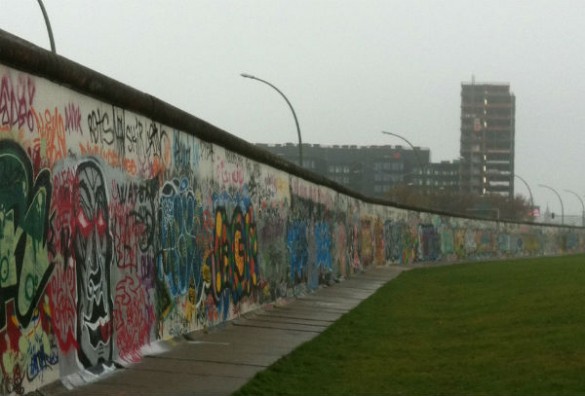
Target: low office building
[{"x": 370, "y": 170}]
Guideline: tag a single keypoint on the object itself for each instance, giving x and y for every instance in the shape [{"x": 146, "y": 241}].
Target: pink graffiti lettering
[
  {"x": 73, "y": 118},
  {"x": 230, "y": 174},
  {"x": 16, "y": 101}
]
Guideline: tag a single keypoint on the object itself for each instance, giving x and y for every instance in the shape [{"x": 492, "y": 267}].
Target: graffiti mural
[
  {"x": 339, "y": 249},
  {"x": 28, "y": 347},
  {"x": 17, "y": 97},
  {"x": 133, "y": 225},
  {"x": 298, "y": 250},
  {"x": 447, "y": 241},
  {"x": 93, "y": 248},
  {"x": 324, "y": 260},
  {"x": 235, "y": 254},
  {"x": 24, "y": 212},
  {"x": 366, "y": 240},
  {"x": 118, "y": 231},
  {"x": 179, "y": 263},
  {"x": 271, "y": 194},
  {"x": 429, "y": 243}
]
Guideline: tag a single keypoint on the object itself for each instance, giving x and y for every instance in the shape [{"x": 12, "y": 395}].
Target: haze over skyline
[{"x": 350, "y": 69}]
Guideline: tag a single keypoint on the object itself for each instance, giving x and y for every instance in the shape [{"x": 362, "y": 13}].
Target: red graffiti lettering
[
  {"x": 133, "y": 318},
  {"x": 62, "y": 285},
  {"x": 73, "y": 118},
  {"x": 230, "y": 174},
  {"x": 62, "y": 301},
  {"x": 16, "y": 101}
]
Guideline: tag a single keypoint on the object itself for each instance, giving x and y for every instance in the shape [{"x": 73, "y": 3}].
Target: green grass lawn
[{"x": 498, "y": 328}]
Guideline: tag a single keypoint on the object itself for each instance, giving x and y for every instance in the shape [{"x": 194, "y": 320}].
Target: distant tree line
[{"x": 492, "y": 206}]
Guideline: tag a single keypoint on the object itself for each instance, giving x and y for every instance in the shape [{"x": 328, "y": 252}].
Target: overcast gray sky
[{"x": 350, "y": 68}]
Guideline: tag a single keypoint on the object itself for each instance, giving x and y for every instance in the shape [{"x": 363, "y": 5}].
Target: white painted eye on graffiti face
[
  {"x": 101, "y": 223},
  {"x": 83, "y": 223}
]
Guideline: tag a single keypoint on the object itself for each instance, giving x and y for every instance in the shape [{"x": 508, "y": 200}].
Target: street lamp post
[
  {"x": 48, "y": 23},
  {"x": 582, "y": 206},
  {"x": 418, "y": 160},
  {"x": 529, "y": 192},
  {"x": 291, "y": 108},
  {"x": 420, "y": 164},
  {"x": 561, "y": 201}
]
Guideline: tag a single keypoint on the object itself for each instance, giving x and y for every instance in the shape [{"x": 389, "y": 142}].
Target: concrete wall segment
[{"x": 125, "y": 221}]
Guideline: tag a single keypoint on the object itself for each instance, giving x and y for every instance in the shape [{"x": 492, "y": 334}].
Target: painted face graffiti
[{"x": 93, "y": 253}]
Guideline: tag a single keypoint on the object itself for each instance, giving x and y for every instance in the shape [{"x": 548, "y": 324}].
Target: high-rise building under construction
[{"x": 487, "y": 139}]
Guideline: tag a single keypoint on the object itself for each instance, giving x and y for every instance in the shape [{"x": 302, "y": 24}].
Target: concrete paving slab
[
  {"x": 238, "y": 334},
  {"x": 351, "y": 292},
  {"x": 280, "y": 325},
  {"x": 260, "y": 360},
  {"x": 345, "y": 296},
  {"x": 298, "y": 316},
  {"x": 327, "y": 304},
  {"x": 222, "y": 353},
  {"x": 251, "y": 346},
  {"x": 165, "y": 364},
  {"x": 292, "y": 320},
  {"x": 168, "y": 383},
  {"x": 307, "y": 312}
]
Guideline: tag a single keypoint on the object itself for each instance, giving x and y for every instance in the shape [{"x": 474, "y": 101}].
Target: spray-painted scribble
[
  {"x": 133, "y": 318},
  {"x": 133, "y": 223},
  {"x": 17, "y": 97},
  {"x": 401, "y": 245},
  {"x": 133, "y": 227},
  {"x": 429, "y": 247},
  {"x": 379, "y": 242},
  {"x": 50, "y": 128},
  {"x": 353, "y": 247},
  {"x": 447, "y": 241},
  {"x": 340, "y": 250},
  {"x": 178, "y": 259},
  {"x": 297, "y": 247},
  {"x": 366, "y": 242},
  {"x": 324, "y": 261}
]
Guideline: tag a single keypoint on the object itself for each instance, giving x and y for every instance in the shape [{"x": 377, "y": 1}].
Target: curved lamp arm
[
  {"x": 48, "y": 23},
  {"x": 560, "y": 199},
  {"x": 291, "y": 109}
]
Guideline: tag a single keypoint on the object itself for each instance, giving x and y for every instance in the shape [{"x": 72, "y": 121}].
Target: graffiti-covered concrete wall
[{"x": 124, "y": 221}]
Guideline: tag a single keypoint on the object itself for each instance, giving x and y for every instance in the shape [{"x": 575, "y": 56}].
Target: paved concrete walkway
[{"x": 220, "y": 361}]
